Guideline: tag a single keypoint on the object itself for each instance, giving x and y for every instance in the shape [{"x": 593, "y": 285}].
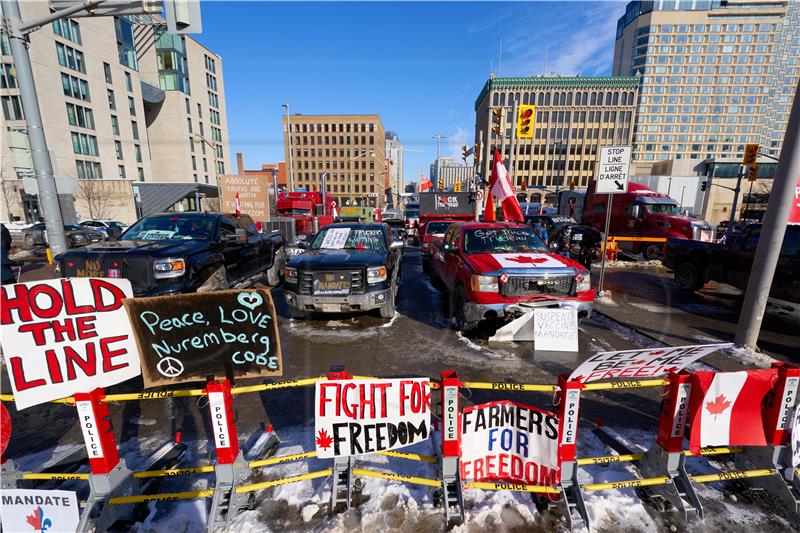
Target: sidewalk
[{"x": 643, "y": 299}]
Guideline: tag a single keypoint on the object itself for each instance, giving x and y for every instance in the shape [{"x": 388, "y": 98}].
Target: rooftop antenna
[
  {"x": 546, "y": 46},
  {"x": 500, "y": 66}
]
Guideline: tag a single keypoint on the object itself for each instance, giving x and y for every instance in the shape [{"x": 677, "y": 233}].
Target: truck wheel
[
  {"x": 652, "y": 251},
  {"x": 214, "y": 279},
  {"x": 275, "y": 273},
  {"x": 387, "y": 311},
  {"x": 687, "y": 277},
  {"x": 297, "y": 313},
  {"x": 458, "y": 300}
]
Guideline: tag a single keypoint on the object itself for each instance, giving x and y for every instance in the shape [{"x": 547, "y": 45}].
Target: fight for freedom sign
[
  {"x": 509, "y": 442},
  {"x": 641, "y": 363},
  {"x": 51, "y": 511},
  {"x": 65, "y": 336},
  {"x": 355, "y": 417}
]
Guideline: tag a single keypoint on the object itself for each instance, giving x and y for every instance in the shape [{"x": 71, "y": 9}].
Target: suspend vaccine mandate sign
[
  {"x": 64, "y": 336},
  {"x": 509, "y": 442},
  {"x": 355, "y": 417},
  {"x": 53, "y": 511}
]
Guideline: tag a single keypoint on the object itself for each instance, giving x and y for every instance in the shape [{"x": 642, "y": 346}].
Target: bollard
[
  {"x": 342, "y": 466},
  {"x": 568, "y": 410},
  {"x": 665, "y": 458},
  {"x": 451, "y": 449},
  {"x": 231, "y": 469}
]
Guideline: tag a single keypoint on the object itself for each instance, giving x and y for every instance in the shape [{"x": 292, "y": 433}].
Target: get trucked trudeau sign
[{"x": 65, "y": 336}]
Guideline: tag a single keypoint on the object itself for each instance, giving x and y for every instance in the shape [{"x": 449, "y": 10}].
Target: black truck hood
[
  {"x": 332, "y": 259},
  {"x": 149, "y": 248}
]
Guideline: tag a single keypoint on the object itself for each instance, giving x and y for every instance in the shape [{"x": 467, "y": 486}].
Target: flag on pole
[
  {"x": 726, "y": 408},
  {"x": 238, "y": 205},
  {"x": 335, "y": 213},
  {"x": 500, "y": 188},
  {"x": 424, "y": 183}
]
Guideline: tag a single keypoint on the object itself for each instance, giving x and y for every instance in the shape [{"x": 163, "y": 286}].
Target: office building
[
  {"x": 715, "y": 75},
  {"x": 394, "y": 158},
  {"x": 447, "y": 171},
  {"x": 574, "y": 117},
  {"x": 122, "y": 102},
  {"x": 350, "y": 148},
  {"x": 266, "y": 170}
]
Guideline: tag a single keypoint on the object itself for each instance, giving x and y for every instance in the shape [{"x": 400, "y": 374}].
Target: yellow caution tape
[
  {"x": 56, "y": 476},
  {"x": 630, "y": 483},
  {"x": 277, "y": 385},
  {"x": 173, "y": 472},
  {"x": 625, "y": 384},
  {"x": 610, "y": 459},
  {"x": 167, "y": 496},
  {"x": 397, "y": 477},
  {"x": 10, "y": 398},
  {"x": 736, "y": 474},
  {"x": 411, "y": 456},
  {"x": 712, "y": 451},
  {"x": 159, "y": 395},
  {"x": 527, "y": 387},
  {"x": 284, "y": 481},
  {"x": 281, "y": 459},
  {"x": 514, "y": 487}
]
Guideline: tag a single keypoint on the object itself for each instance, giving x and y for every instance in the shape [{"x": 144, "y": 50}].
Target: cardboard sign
[
  {"x": 188, "y": 337},
  {"x": 64, "y": 336},
  {"x": 355, "y": 417},
  {"x": 53, "y": 511},
  {"x": 555, "y": 329},
  {"x": 641, "y": 363},
  {"x": 253, "y": 190},
  {"x": 511, "y": 442}
]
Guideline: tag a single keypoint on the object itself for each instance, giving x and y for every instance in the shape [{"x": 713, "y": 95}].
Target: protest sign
[
  {"x": 252, "y": 191},
  {"x": 355, "y": 417},
  {"x": 641, "y": 363},
  {"x": 555, "y": 329},
  {"x": 64, "y": 336},
  {"x": 509, "y": 441},
  {"x": 188, "y": 337},
  {"x": 53, "y": 511}
]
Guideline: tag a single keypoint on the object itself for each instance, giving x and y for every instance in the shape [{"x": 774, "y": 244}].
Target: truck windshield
[
  {"x": 666, "y": 209},
  {"x": 170, "y": 227},
  {"x": 412, "y": 213},
  {"x": 502, "y": 240},
  {"x": 436, "y": 228},
  {"x": 295, "y": 211},
  {"x": 350, "y": 239}
]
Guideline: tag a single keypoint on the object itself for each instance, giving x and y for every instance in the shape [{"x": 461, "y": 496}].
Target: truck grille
[
  {"x": 528, "y": 285},
  {"x": 307, "y": 280},
  {"x": 138, "y": 270}
]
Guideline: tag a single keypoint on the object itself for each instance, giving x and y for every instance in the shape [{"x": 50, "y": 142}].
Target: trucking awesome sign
[
  {"x": 509, "y": 442},
  {"x": 65, "y": 336},
  {"x": 355, "y": 417}
]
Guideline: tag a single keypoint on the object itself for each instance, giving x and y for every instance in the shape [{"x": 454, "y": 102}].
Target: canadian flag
[
  {"x": 335, "y": 213},
  {"x": 726, "y": 408},
  {"x": 376, "y": 215},
  {"x": 238, "y": 205},
  {"x": 424, "y": 183},
  {"x": 500, "y": 188}
]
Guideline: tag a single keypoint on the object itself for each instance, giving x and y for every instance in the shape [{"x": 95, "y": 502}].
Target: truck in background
[
  {"x": 301, "y": 214},
  {"x": 412, "y": 221},
  {"x": 437, "y": 210},
  {"x": 356, "y": 214},
  {"x": 570, "y": 203},
  {"x": 643, "y": 212}
]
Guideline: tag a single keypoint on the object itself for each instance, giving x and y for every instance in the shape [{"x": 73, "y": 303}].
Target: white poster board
[
  {"x": 360, "y": 416},
  {"x": 53, "y": 511},
  {"x": 555, "y": 329},
  {"x": 335, "y": 238},
  {"x": 64, "y": 336},
  {"x": 612, "y": 177}
]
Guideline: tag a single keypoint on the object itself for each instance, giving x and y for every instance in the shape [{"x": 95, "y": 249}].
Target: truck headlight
[
  {"x": 583, "y": 281},
  {"x": 376, "y": 275},
  {"x": 484, "y": 283},
  {"x": 290, "y": 274},
  {"x": 170, "y": 267}
]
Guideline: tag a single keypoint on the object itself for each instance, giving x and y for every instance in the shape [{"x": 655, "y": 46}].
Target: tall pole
[
  {"x": 274, "y": 172},
  {"x": 476, "y": 158},
  {"x": 747, "y": 204},
  {"x": 43, "y": 167},
  {"x": 511, "y": 173},
  {"x": 289, "y": 133},
  {"x": 732, "y": 219},
  {"x": 773, "y": 230},
  {"x": 324, "y": 195},
  {"x": 605, "y": 245},
  {"x": 438, "y": 138}
]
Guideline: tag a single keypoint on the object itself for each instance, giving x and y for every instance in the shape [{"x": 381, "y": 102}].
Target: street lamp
[
  {"x": 198, "y": 139},
  {"x": 364, "y": 153},
  {"x": 289, "y": 135}
]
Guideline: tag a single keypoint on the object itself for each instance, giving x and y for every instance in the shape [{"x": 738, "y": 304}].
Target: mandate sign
[
  {"x": 53, "y": 511},
  {"x": 641, "y": 363},
  {"x": 65, "y": 336},
  {"x": 253, "y": 193},
  {"x": 509, "y": 442},
  {"x": 355, "y": 417},
  {"x": 555, "y": 329},
  {"x": 188, "y": 337},
  {"x": 613, "y": 167}
]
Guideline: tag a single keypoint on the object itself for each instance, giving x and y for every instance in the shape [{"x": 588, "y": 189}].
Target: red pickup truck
[{"x": 489, "y": 268}]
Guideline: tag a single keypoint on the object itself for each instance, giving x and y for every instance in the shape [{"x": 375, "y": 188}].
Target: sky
[{"x": 418, "y": 65}]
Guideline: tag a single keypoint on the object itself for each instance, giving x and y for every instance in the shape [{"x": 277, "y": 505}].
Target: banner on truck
[
  {"x": 509, "y": 442},
  {"x": 64, "y": 336},
  {"x": 187, "y": 337},
  {"x": 355, "y": 417},
  {"x": 51, "y": 511}
]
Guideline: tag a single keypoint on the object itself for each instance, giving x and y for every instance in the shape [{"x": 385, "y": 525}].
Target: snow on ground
[
  {"x": 749, "y": 357},
  {"x": 620, "y": 264}
]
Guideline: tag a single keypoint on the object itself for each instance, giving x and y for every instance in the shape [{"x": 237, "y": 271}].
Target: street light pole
[
  {"x": 438, "y": 138},
  {"x": 43, "y": 167},
  {"x": 289, "y": 135}
]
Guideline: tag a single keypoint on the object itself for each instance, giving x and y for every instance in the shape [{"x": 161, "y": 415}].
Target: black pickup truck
[
  {"x": 695, "y": 262},
  {"x": 346, "y": 268},
  {"x": 182, "y": 252}
]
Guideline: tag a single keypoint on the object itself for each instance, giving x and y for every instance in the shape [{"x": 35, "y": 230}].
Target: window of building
[
  {"x": 68, "y": 29},
  {"x": 114, "y": 125},
  {"x": 112, "y": 102},
  {"x": 84, "y": 144},
  {"x": 189, "y": 124},
  {"x": 75, "y": 87},
  {"x": 132, "y": 106},
  {"x": 12, "y": 107},
  {"x": 137, "y": 150},
  {"x": 8, "y": 79},
  {"x": 213, "y": 100},
  {"x": 194, "y": 163},
  {"x": 135, "y": 129},
  {"x": 199, "y": 110},
  {"x": 70, "y": 58},
  {"x": 173, "y": 67},
  {"x": 80, "y": 116},
  {"x": 140, "y": 172},
  {"x": 88, "y": 170},
  {"x": 126, "y": 42},
  {"x": 118, "y": 149},
  {"x": 129, "y": 81},
  {"x": 121, "y": 171}
]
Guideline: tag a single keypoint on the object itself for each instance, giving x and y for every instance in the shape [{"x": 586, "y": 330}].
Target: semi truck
[{"x": 437, "y": 210}]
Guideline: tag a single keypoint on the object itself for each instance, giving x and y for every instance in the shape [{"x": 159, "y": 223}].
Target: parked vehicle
[
  {"x": 112, "y": 228},
  {"x": 583, "y": 243},
  {"x": 356, "y": 214},
  {"x": 643, "y": 212},
  {"x": 570, "y": 203},
  {"x": 347, "y": 268},
  {"x": 36, "y": 235},
  {"x": 489, "y": 268},
  {"x": 182, "y": 252},
  {"x": 694, "y": 263},
  {"x": 552, "y": 223},
  {"x": 412, "y": 221},
  {"x": 436, "y": 212},
  {"x": 304, "y": 207}
]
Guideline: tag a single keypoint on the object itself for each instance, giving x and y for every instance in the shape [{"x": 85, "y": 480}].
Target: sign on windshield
[
  {"x": 349, "y": 239},
  {"x": 502, "y": 240}
]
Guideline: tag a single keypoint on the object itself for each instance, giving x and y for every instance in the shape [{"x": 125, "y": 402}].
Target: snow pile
[
  {"x": 622, "y": 265},
  {"x": 749, "y": 357}
]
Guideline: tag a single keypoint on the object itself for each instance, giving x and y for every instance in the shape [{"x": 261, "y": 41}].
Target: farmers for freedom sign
[
  {"x": 355, "y": 417},
  {"x": 509, "y": 441},
  {"x": 64, "y": 336}
]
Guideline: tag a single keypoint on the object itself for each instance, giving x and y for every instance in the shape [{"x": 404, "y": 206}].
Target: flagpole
[{"x": 510, "y": 168}]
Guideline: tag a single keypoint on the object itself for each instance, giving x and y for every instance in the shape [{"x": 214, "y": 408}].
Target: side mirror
[
  {"x": 303, "y": 245},
  {"x": 396, "y": 245},
  {"x": 636, "y": 211}
]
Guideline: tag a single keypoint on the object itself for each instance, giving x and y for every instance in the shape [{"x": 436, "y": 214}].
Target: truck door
[
  {"x": 231, "y": 249},
  {"x": 740, "y": 259},
  {"x": 452, "y": 258},
  {"x": 252, "y": 252},
  {"x": 786, "y": 284}
]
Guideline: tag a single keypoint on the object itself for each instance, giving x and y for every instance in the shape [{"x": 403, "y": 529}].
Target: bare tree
[{"x": 93, "y": 195}]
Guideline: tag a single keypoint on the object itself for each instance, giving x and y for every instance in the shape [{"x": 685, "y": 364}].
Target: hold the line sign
[{"x": 641, "y": 363}]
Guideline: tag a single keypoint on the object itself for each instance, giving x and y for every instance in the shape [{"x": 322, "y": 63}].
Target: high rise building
[
  {"x": 449, "y": 171},
  {"x": 715, "y": 75},
  {"x": 122, "y": 101},
  {"x": 574, "y": 117},
  {"x": 350, "y": 148},
  {"x": 394, "y": 157}
]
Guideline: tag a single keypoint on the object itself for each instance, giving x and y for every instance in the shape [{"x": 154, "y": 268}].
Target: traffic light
[
  {"x": 752, "y": 173},
  {"x": 750, "y": 154},
  {"x": 525, "y": 120},
  {"x": 476, "y": 153},
  {"x": 457, "y": 186},
  {"x": 464, "y": 152},
  {"x": 704, "y": 186},
  {"x": 497, "y": 120},
  {"x": 441, "y": 185}
]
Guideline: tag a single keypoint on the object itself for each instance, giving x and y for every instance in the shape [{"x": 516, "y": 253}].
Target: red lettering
[
  {"x": 55, "y": 301},
  {"x": 479, "y": 469},
  {"x": 647, "y": 371},
  {"x": 60, "y": 329},
  {"x": 100, "y": 285},
  {"x": 490, "y": 466},
  {"x": 85, "y": 326},
  {"x": 109, "y": 353},
  {"x": 531, "y": 473},
  {"x": 516, "y": 468},
  {"x": 20, "y": 302},
  {"x": 382, "y": 388},
  {"x": 349, "y": 413},
  {"x": 548, "y": 476},
  {"x": 72, "y": 358},
  {"x": 403, "y": 396},
  {"x": 366, "y": 400},
  {"x": 37, "y": 329},
  {"x": 53, "y": 366},
  {"x": 323, "y": 398},
  {"x": 19, "y": 376},
  {"x": 69, "y": 300},
  {"x": 502, "y": 470}
]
